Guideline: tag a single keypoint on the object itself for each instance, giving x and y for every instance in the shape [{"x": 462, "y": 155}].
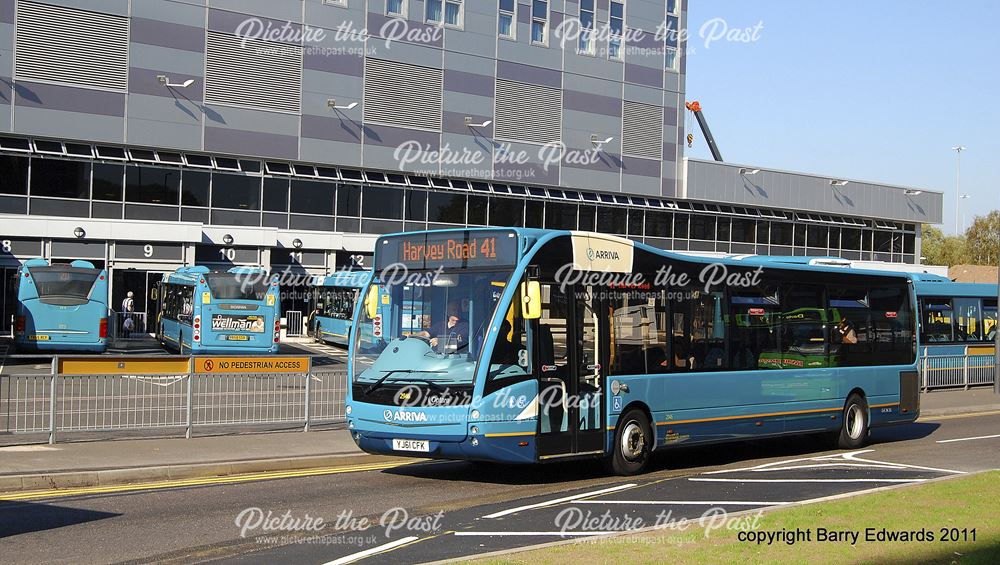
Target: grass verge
[{"x": 939, "y": 509}]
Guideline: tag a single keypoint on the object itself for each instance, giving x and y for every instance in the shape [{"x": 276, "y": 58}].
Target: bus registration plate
[
  {"x": 38, "y": 337},
  {"x": 421, "y": 445},
  {"x": 237, "y": 338}
]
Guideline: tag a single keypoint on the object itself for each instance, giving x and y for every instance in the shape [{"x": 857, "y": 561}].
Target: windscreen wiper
[{"x": 377, "y": 384}]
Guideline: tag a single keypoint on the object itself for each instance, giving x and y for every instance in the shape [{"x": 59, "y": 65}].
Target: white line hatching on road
[
  {"x": 853, "y": 457},
  {"x": 714, "y": 480},
  {"x": 967, "y": 438},
  {"x": 371, "y": 551},
  {"x": 516, "y": 534},
  {"x": 686, "y": 502},
  {"x": 849, "y": 459},
  {"x": 558, "y": 501}
]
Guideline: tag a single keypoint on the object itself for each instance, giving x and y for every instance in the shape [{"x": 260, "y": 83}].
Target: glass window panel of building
[
  {"x": 506, "y": 24},
  {"x": 540, "y": 22}
]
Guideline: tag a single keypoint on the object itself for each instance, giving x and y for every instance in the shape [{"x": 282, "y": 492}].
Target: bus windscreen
[
  {"x": 64, "y": 286},
  {"x": 233, "y": 286}
]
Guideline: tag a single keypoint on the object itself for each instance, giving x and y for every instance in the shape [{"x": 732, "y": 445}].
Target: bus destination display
[{"x": 458, "y": 249}]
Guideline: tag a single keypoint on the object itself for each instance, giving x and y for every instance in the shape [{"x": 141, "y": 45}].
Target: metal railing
[
  {"x": 948, "y": 371},
  {"x": 126, "y": 326},
  {"x": 293, "y": 323},
  {"x": 50, "y": 404}
]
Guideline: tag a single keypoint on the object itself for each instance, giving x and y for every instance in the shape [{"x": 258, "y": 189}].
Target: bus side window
[
  {"x": 849, "y": 324},
  {"x": 892, "y": 326},
  {"x": 639, "y": 335},
  {"x": 990, "y": 320},
  {"x": 754, "y": 325}
]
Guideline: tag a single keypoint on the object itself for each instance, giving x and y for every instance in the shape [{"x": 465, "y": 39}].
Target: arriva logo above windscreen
[
  {"x": 598, "y": 254},
  {"x": 404, "y": 416},
  {"x": 602, "y": 253}
]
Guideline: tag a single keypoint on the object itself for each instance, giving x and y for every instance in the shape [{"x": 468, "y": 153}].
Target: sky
[{"x": 867, "y": 90}]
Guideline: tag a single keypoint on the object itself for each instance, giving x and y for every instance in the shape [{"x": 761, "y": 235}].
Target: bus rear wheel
[
  {"x": 633, "y": 444},
  {"x": 854, "y": 428}
]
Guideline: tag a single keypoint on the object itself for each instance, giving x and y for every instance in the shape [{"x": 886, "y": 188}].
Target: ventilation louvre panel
[
  {"x": 401, "y": 94},
  {"x": 642, "y": 130},
  {"x": 261, "y": 75},
  {"x": 527, "y": 112},
  {"x": 71, "y": 46}
]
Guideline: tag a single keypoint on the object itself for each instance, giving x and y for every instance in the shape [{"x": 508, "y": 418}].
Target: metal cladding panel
[
  {"x": 401, "y": 94},
  {"x": 642, "y": 130},
  {"x": 528, "y": 112},
  {"x": 723, "y": 182},
  {"x": 253, "y": 73},
  {"x": 90, "y": 49}
]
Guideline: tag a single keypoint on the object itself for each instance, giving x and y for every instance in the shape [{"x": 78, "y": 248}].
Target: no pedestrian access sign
[{"x": 277, "y": 364}]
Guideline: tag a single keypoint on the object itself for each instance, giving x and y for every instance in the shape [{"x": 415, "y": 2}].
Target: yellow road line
[{"x": 178, "y": 483}]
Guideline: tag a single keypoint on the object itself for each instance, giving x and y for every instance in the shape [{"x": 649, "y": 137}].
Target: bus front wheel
[
  {"x": 633, "y": 444},
  {"x": 854, "y": 429}
]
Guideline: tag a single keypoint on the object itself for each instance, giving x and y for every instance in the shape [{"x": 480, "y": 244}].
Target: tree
[
  {"x": 983, "y": 239},
  {"x": 940, "y": 249}
]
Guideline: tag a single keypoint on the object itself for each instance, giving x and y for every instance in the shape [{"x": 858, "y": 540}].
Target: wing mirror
[
  {"x": 371, "y": 302},
  {"x": 531, "y": 300}
]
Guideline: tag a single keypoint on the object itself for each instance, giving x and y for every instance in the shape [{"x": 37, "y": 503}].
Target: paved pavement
[{"x": 484, "y": 507}]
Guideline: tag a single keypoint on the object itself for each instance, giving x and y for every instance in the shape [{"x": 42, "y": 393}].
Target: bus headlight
[
  {"x": 475, "y": 414},
  {"x": 350, "y": 425},
  {"x": 348, "y": 410},
  {"x": 475, "y": 430},
  {"x": 475, "y": 442}
]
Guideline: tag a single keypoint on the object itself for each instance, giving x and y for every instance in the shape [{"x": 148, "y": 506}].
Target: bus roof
[
  {"x": 533, "y": 236},
  {"x": 348, "y": 279},
  {"x": 949, "y": 289},
  {"x": 76, "y": 264},
  {"x": 192, "y": 274}
]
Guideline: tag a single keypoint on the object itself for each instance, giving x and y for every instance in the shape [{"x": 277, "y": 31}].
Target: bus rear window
[
  {"x": 232, "y": 286},
  {"x": 64, "y": 286}
]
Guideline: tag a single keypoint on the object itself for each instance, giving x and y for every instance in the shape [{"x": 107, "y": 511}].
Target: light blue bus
[
  {"x": 958, "y": 327},
  {"x": 524, "y": 346},
  {"x": 61, "y": 307},
  {"x": 334, "y": 298},
  {"x": 220, "y": 312}
]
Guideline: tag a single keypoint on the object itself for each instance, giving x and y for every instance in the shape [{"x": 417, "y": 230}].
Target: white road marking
[
  {"x": 854, "y": 457},
  {"x": 765, "y": 466},
  {"x": 891, "y": 466},
  {"x": 686, "y": 502},
  {"x": 558, "y": 534},
  {"x": 558, "y": 501},
  {"x": 806, "y": 480},
  {"x": 371, "y": 551},
  {"x": 967, "y": 438}
]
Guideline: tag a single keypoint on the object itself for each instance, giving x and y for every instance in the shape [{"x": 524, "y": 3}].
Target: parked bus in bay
[
  {"x": 61, "y": 307},
  {"x": 522, "y": 346},
  {"x": 220, "y": 312},
  {"x": 333, "y": 303}
]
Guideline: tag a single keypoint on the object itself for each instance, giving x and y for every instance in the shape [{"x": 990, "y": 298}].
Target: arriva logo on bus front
[{"x": 404, "y": 416}]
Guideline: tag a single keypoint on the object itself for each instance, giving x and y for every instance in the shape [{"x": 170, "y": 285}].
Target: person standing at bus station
[{"x": 128, "y": 307}]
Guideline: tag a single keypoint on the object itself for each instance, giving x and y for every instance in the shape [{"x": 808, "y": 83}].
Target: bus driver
[{"x": 453, "y": 328}]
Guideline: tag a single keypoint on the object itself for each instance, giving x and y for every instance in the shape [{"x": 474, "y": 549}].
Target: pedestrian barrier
[
  {"x": 947, "y": 371},
  {"x": 128, "y": 326},
  {"x": 293, "y": 323},
  {"x": 52, "y": 404}
]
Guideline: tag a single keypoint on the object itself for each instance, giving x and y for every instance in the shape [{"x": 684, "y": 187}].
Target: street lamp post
[{"x": 958, "y": 192}]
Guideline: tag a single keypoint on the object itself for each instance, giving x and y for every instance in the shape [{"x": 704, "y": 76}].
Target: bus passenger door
[{"x": 569, "y": 357}]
